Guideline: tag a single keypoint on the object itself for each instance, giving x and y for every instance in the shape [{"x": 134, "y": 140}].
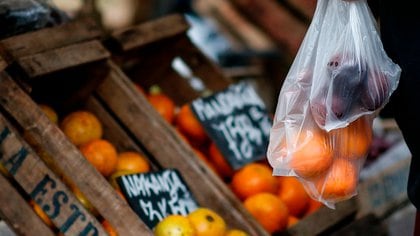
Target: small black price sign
[
  {"x": 155, "y": 195},
  {"x": 237, "y": 120}
]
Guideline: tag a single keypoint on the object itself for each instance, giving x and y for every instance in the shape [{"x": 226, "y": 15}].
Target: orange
[
  {"x": 291, "y": 221},
  {"x": 203, "y": 157},
  {"x": 314, "y": 205},
  {"x": 174, "y": 225},
  {"x": 269, "y": 211},
  {"x": 81, "y": 127},
  {"x": 340, "y": 182},
  {"x": 219, "y": 161},
  {"x": 102, "y": 155},
  {"x": 132, "y": 161},
  {"x": 236, "y": 232},
  {"x": 313, "y": 157},
  {"x": 293, "y": 194},
  {"x": 38, "y": 210},
  {"x": 190, "y": 126},
  {"x": 163, "y": 105},
  {"x": 207, "y": 222},
  {"x": 353, "y": 141},
  {"x": 112, "y": 179},
  {"x": 108, "y": 228},
  {"x": 253, "y": 178},
  {"x": 50, "y": 112},
  {"x": 83, "y": 200}
]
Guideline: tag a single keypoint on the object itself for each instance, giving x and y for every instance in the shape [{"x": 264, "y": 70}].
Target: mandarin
[
  {"x": 314, "y": 205},
  {"x": 108, "y": 228},
  {"x": 236, "y": 232},
  {"x": 354, "y": 141},
  {"x": 206, "y": 222},
  {"x": 163, "y": 105},
  {"x": 49, "y": 112},
  {"x": 340, "y": 182},
  {"x": 81, "y": 127},
  {"x": 253, "y": 178},
  {"x": 293, "y": 194},
  {"x": 313, "y": 158},
  {"x": 133, "y": 162},
  {"x": 219, "y": 161},
  {"x": 203, "y": 157},
  {"x": 101, "y": 154},
  {"x": 269, "y": 211},
  {"x": 291, "y": 221},
  {"x": 174, "y": 225},
  {"x": 190, "y": 126},
  {"x": 41, "y": 213}
]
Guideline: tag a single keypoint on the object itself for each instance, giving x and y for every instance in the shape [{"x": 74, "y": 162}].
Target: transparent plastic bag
[{"x": 339, "y": 81}]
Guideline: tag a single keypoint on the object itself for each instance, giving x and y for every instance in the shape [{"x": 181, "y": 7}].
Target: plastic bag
[
  {"x": 20, "y": 16},
  {"x": 339, "y": 80}
]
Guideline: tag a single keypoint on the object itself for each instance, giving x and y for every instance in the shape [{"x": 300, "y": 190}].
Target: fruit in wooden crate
[
  {"x": 50, "y": 112},
  {"x": 133, "y": 162},
  {"x": 102, "y": 155},
  {"x": 163, "y": 104},
  {"x": 190, "y": 126},
  {"x": 108, "y": 228},
  {"x": 83, "y": 200},
  {"x": 269, "y": 210},
  {"x": 38, "y": 210},
  {"x": 252, "y": 179},
  {"x": 174, "y": 225},
  {"x": 206, "y": 222},
  {"x": 219, "y": 161},
  {"x": 294, "y": 196},
  {"x": 291, "y": 221},
  {"x": 313, "y": 156},
  {"x": 81, "y": 127},
  {"x": 236, "y": 232},
  {"x": 203, "y": 157}
]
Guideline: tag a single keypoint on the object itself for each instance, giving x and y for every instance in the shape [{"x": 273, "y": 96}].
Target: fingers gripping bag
[{"x": 339, "y": 80}]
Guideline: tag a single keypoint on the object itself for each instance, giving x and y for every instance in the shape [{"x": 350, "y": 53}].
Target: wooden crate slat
[
  {"x": 68, "y": 158},
  {"x": 49, "y": 38},
  {"x": 324, "y": 219},
  {"x": 286, "y": 30},
  {"x": 149, "y": 32},
  {"x": 18, "y": 214},
  {"x": 42, "y": 185},
  {"x": 162, "y": 141},
  {"x": 62, "y": 58}
]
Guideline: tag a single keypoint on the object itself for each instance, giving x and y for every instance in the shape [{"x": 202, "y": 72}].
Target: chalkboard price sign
[
  {"x": 155, "y": 195},
  {"x": 237, "y": 120}
]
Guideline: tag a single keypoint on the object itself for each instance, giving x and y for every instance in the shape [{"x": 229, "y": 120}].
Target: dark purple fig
[
  {"x": 347, "y": 85},
  {"x": 375, "y": 91}
]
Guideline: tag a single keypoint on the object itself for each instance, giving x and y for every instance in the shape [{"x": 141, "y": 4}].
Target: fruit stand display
[
  {"x": 81, "y": 75},
  {"x": 135, "y": 51},
  {"x": 60, "y": 67}
]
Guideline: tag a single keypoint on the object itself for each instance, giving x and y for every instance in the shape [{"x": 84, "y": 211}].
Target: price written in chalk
[
  {"x": 155, "y": 195},
  {"x": 237, "y": 121}
]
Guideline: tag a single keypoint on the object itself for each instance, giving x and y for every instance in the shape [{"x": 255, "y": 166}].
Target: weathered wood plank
[
  {"x": 58, "y": 59},
  {"x": 43, "y": 186},
  {"x": 18, "y": 214},
  {"x": 286, "y": 30},
  {"x": 162, "y": 141},
  {"x": 325, "y": 219},
  {"x": 50, "y": 38},
  {"x": 68, "y": 158},
  {"x": 150, "y": 32}
]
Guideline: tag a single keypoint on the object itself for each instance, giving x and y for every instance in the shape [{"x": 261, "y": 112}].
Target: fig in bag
[{"x": 375, "y": 91}]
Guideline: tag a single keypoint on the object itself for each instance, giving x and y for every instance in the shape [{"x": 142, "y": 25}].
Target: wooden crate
[
  {"x": 146, "y": 53},
  {"x": 60, "y": 66},
  {"x": 130, "y": 121}
]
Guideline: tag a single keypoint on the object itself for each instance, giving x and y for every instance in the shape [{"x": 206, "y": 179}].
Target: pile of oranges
[
  {"x": 85, "y": 131},
  {"x": 276, "y": 202}
]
